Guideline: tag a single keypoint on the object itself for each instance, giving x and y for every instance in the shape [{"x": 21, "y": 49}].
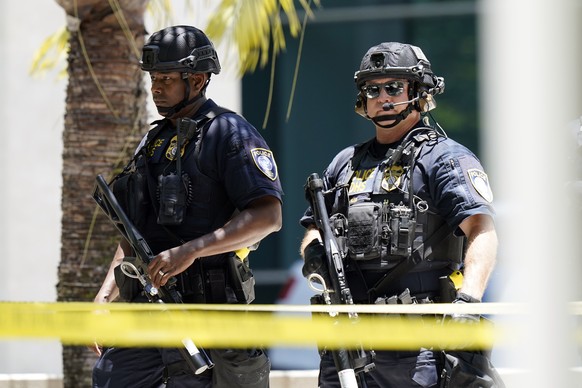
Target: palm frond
[
  {"x": 161, "y": 12},
  {"x": 51, "y": 54},
  {"x": 53, "y": 51},
  {"x": 255, "y": 27}
]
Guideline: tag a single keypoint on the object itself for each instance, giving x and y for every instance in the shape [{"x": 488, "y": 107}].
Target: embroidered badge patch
[
  {"x": 391, "y": 179},
  {"x": 265, "y": 162},
  {"x": 480, "y": 182},
  {"x": 171, "y": 150}
]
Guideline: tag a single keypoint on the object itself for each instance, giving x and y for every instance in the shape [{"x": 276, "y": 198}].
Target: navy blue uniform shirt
[
  {"x": 446, "y": 175},
  {"x": 234, "y": 167}
]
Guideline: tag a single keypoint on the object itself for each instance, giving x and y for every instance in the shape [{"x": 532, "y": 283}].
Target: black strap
[
  {"x": 216, "y": 282},
  {"x": 149, "y": 137},
  {"x": 415, "y": 144},
  {"x": 360, "y": 151},
  {"x": 201, "y": 122}
]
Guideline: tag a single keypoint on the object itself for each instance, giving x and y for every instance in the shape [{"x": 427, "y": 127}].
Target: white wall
[{"x": 31, "y": 113}]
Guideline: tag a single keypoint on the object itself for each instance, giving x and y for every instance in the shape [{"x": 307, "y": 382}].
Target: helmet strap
[
  {"x": 397, "y": 118},
  {"x": 169, "y": 112}
]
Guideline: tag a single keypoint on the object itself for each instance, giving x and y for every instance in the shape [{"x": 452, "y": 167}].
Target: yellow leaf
[{"x": 51, "y": 52}]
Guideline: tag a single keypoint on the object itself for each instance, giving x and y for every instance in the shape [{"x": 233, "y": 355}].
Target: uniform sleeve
[
  {"x": 458, "y": 184},
  {"x": 244, "y": 162}
]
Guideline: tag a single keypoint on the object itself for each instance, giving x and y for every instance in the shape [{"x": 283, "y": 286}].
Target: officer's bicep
[{"x": 461, "y": 187}]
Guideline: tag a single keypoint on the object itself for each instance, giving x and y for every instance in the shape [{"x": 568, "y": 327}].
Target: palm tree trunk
[{"x": 105, "y": 118}]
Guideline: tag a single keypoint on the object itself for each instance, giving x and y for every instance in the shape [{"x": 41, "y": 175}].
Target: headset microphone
[{"x": 390, "y": 105}]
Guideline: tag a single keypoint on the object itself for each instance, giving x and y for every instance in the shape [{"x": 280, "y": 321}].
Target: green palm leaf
[{"x": 253, "y": 27}]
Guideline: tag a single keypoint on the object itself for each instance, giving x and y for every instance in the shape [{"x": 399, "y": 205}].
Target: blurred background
[{"x": 306, "y": 123}]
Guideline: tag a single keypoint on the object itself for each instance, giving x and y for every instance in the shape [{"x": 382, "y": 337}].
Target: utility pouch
[
  {"x": 364, "y": 231},
  {"x": 192, "y": 285},
  {"x": 129, "y": 288},
  {"x": 241, "y": 279},
  {"x": 216, "y": 285},
  {"x": 402, "y": 229},
  {"x": 130, "y": 191}
]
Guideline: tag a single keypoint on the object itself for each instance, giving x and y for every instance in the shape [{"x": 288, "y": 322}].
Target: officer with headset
[
  {"x": 415, "y": 208},
  {"x": 203, "y": 184}
]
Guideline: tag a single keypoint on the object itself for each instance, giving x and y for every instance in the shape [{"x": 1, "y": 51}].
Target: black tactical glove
[
  {"x": 314, "y": 255},
  {"x": 465, "y": 318},
  {"x": 468, "y": 342}
]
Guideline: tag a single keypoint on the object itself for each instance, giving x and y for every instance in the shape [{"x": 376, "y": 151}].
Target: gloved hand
[
  {"x": 470, "y": 319},
  {"x": 465, "y": 318},
  {"x": 314, "y": 256}
]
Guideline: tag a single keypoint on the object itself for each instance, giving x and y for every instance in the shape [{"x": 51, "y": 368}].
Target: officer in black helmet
[
  {"x": 417, "y": 207},
  {"x": 202, "y": 188}
]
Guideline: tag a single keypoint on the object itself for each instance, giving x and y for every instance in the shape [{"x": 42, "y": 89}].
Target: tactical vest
[
  {"x": 157, "y": 192},
  {"x": 383, "y": 223},
  {"x": 141, "y": 193}
]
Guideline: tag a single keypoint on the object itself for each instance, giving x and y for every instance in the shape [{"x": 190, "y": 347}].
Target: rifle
[
  {"x": 196, "y": 358},
  {"x": 331, "y": 275}
]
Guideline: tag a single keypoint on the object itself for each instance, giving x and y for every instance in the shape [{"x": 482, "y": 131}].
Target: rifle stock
[
  {"x": 348, "y": 362},
  {"x": 195, "y": 357}
]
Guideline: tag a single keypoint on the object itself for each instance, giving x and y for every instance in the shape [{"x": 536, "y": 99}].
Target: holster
[
  {"x": 218, "y": 279},
  {"x": 468, "y": 369},
  {"x": 448, "y": 292},
  {"x": 241, "y": 279}
]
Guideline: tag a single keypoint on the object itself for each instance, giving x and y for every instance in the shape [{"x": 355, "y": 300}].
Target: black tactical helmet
[
  {"x": 180, "y": 48},
  {"x": 396, "y": 60},
  {"x": 399, "y": 60}
]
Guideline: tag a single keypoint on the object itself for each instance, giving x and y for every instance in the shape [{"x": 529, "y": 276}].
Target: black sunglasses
[{"x": 392, "y": 88}]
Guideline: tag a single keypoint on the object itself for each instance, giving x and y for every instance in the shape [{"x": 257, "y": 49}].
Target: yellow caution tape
[{"x": 125, "y": 324}]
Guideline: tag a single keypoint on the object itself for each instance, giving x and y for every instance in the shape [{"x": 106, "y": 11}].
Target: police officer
[
  {"x": 418, "y": 208},
  {"x": 203, "y": 185}
]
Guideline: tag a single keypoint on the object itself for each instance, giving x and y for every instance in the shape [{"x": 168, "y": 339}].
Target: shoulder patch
[
  {"x": 480, "y": 182},
  {"x": 265, "y": 162}
]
